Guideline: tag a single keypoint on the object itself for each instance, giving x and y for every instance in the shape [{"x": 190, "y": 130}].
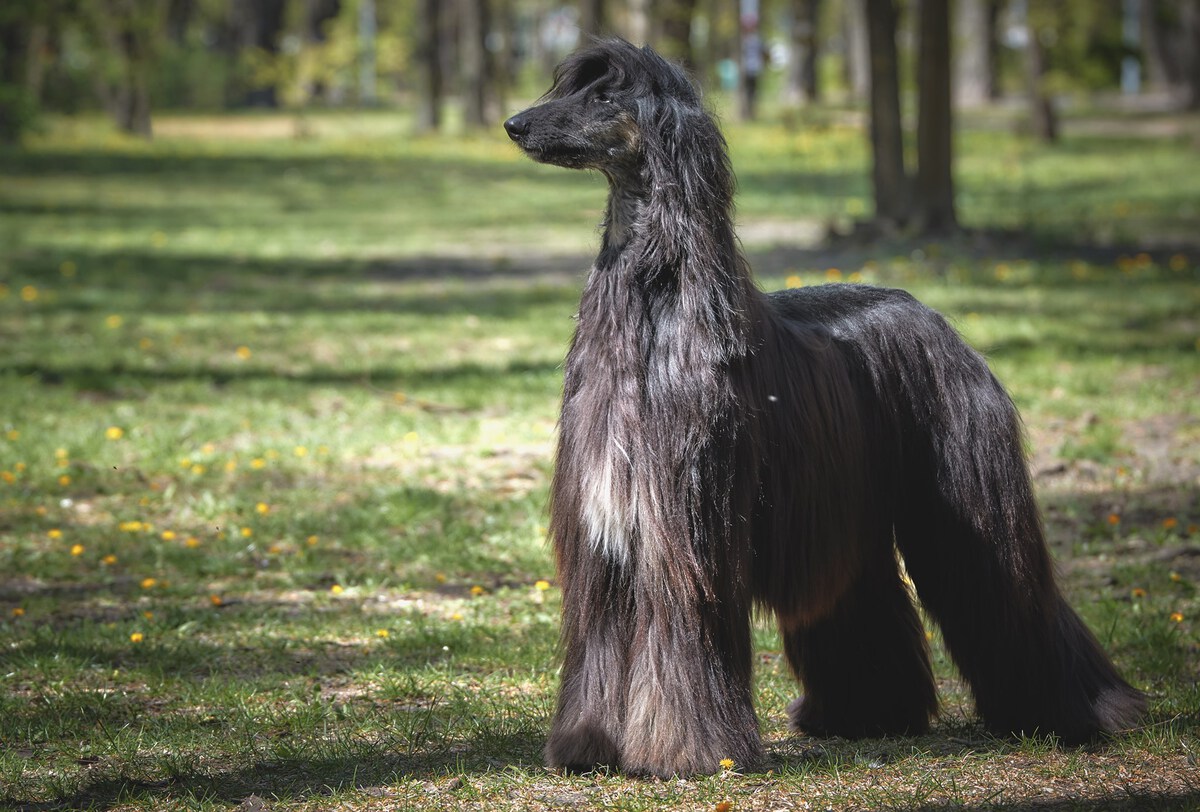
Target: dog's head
[{"x": 610, "y": 106}]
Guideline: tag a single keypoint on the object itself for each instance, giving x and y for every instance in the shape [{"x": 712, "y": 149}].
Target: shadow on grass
[{"x": 111, "y": 379}]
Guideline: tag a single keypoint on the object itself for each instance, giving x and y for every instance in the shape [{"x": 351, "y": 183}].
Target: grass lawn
[{"x": 276, "y": 419}]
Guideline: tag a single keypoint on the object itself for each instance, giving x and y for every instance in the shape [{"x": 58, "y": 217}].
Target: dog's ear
[{"x": 687, "y": 158}]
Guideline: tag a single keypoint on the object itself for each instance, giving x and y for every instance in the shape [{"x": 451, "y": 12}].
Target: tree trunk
[
  {"x": 429, "y": 58},
  {"x": 1161, "y": 70},
  {"x": 639, "y": 22},
  {"x": 15, "y": 100},
  {"x": 802, "y": 83},
  {"x": 478, "y": 78},
  {"x": 1189, "y": 24},
  {"x": 675, "y": 19},
  {"x": 975, "y": 65},
  {"x": 592, "y": 19},
  {"x": 261, "y": 22},
  {"x": 367, "y": 29},
  {"x": 887, "y": 134},
  {"x": 1044, "y": 118},
  {"x": 857, "y": 61},
  {"x": 125, "y": 29},
  {"x": 935, "y": 126}
]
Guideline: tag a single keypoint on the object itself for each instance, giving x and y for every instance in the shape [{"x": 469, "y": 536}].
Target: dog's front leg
[
  {"x": 597, "y": 626},
  {"x": 689, "y": 704}
]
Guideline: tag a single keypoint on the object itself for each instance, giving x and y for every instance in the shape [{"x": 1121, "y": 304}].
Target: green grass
[{"x": 276, "y": 418}]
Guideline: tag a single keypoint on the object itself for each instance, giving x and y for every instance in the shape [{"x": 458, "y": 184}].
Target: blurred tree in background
[{"x": 132, "y": 57}]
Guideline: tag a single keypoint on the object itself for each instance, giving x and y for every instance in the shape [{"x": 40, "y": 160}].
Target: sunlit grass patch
[{"x": 276, "y": 425}]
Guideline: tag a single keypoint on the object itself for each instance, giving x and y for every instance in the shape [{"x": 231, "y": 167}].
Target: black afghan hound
[{"x": 720, "y": 448}]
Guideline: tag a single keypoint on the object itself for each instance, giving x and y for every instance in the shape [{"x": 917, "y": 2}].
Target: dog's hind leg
[
  {"x": 865, "y": 666},
  {"x": 969, "y": 531}
]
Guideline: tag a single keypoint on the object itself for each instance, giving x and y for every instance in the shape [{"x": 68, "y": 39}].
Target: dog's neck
[
  {"x": 685, "y": 258},
  {"x": 626, "y": 210}
]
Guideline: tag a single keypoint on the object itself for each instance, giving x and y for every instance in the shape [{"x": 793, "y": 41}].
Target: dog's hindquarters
[{"x": 967, "y": 525}]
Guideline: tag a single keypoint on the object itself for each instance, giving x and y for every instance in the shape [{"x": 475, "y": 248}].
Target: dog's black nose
[{"x": 516, "y": 127}]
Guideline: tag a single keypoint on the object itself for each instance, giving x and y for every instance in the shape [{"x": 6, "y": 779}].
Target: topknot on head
[{"x": 621, "y": 65}]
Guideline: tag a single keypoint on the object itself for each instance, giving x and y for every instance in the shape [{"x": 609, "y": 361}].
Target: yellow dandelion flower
[
  {"x": 258, "y": 463},
  {"x": 192, "y": 542},
  {"x": 411, "y": 437},
  {"x": 1114, "y": 519},
  {"x": 312, "y": 541},
  {"x": 64, "y": 480},
  {"x": 272, "y": 454},
  {"x": 13, "y": 435},
  {"x": 1170, "y": 523},
  {"x": 300, "y": 451},
  {"x": 247, "y": 532},
  {"x": 199, "y": 470},
  {"x": 145, "y": 344},
  {"x": 400, "y": 398},
  {"x": 185, "y": 462},
  {"x": 440, "y": 577},
  {"x": 243, "y": 352},
  {"x": 19, "y": 467},
  {"x": 274, "y": 549},
  {"x": 723, "y": 806},
  {"x": 114, "y": 432},
  {"x": 456, "y": 616},
  {"x": 833, "y": 274},
  {"x": 1178, "y": 262},
  {"x": 477, "y": 590},
  {"x": 794, "y": 281},
  {"x": 726, "y": 764},
  {"x": 113, "y": 321},
  {"x": 149, "y": 583},
  {"x": 60, "y": 453},
  {"x": 130, "y": 527},
  {"x": 231, "y": 466},
  {"x": 8, "y": 476},
  {"x": 1175, "y": 577},
  {"x": 136, "y": 637},
  {"x": 1177, "y": 617},
  {"x": 77, "y": 549},
  {"x": 336, "y": 589},
  {"x": 108, "y": 560},
  {"x": 168, "y": 535},
  {"x": 148, "y": 615},
  {"x": 215, "y": 600},
  {"x": 542, "y": 585},
  {"x": 55, "y": 533},
  {"x": 18, "y": 611},
  {"x": 381, "y": 633},
  {"x": 29, "y": 293},
  {"x": 262, "y": 508},
  {"x": 1137, "y": 592}
]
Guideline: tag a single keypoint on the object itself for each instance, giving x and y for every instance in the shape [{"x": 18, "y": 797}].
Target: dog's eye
[{"x": 602, "y": 98}]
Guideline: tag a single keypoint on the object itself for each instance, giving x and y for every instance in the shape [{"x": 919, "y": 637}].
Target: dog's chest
[{"x": 607, "y": 437}]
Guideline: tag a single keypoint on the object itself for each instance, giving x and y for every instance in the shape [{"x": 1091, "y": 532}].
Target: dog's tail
[{"x": 969, "y": 530}]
